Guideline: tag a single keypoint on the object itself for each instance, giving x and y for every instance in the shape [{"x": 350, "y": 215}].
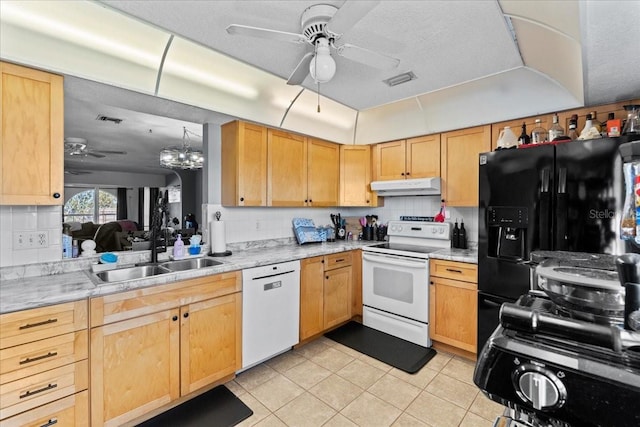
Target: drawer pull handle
[
  {"x": 40, "y": 390},
  {"x": 51, "y": 422},
  {"x": 34, "y": 359},
  {"x": 33, "y": 325},
  {"x": 340, "y": 260},
  {"x": 453, "y": 270}
]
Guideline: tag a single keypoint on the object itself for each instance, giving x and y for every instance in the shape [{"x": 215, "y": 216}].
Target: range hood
[{"x": 407, "y": 187}]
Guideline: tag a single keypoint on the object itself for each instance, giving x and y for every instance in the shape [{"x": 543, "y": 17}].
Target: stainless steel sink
[
  {"x": 130, "y": 273},
  {"x": 190, "y": 264}
]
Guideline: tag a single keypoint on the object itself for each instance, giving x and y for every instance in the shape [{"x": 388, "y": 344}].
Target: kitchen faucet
[{"x": 159, "y": 211}]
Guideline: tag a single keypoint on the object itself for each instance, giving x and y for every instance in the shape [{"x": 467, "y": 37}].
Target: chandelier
[{"x": 182, "y": 157}]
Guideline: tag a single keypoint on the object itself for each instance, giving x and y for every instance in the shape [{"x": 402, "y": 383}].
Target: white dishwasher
[{"x": 270, "y": 311}]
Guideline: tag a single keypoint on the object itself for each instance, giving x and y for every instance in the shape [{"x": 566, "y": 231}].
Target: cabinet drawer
[
  {"x": 69, "y": 411},
  {"x": 341, "y": 259},
  {"x": 38, "y": 356},
  {"x": 30, "y": 392},
  {"x": 31, "y": 325},
  {"x": 140, "y": 302},
  {"x": 454, "y": 270}
]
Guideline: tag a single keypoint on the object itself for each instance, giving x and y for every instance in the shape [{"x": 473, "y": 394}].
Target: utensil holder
[{"x": 367, "y": 233}]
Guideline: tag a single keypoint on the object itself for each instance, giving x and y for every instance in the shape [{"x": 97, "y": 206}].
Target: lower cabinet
[
  {"x": 325, "y": 292},
  {"x": 453, "y": 304},
  {"x": 190, "y": 338}
]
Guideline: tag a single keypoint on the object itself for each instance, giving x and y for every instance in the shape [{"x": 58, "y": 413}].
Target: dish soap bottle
[
  {"x": 67, "y": 241},
  {"x": 178, "y": 247}
]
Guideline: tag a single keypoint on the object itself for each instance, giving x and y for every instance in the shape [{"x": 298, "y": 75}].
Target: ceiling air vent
[
  {"x": 104, "y": 118},
  {"x": 400, "y": 78}
]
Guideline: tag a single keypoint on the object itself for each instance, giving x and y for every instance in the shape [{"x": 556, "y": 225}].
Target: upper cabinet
[
  {"x": 460, "y": 150},
  {"x": 286, "y": 169},
  {"x": 404, "y": 159},
  {"x": 323, "y": 172},
  {"x": 32, "y": 129},
  {"x": 244, "y": 164},
  {"x": 355, "y": 177}
]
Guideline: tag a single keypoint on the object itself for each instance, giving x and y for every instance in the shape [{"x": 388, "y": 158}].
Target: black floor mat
[
  {"x": 218, "y": 407},
  {"x": 391, "y": 350}
]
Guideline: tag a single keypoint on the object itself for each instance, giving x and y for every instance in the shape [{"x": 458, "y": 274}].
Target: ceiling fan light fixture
[
  {"x": 182, "y": 157},
  {"x": 322, "y": 67}
]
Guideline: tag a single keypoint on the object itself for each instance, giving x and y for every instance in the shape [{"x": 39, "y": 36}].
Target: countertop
[{"x": 56, "y": 284}]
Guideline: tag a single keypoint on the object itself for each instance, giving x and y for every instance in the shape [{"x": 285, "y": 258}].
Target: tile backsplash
[
  {"x": 242, "y": 224},
  {"x": 24, "y": 222}
]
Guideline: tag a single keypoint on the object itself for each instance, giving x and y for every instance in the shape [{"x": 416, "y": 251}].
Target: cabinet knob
[
  {"x": 56, "y": 195},
  {"x": 402, "y": 174},
  {"x": 368, "y": 201},
  {"x": 185, "y": 315},
  {"x": 310, "y": 201},
  {"x": 242, "y": 199},
  {"x": 431, "y": 282},
  {"x": 327, "y": 277},
  {"x": 408, "y": 173},
  {"x": 306, "y": 200},
  {"x": 174, "y": 318}
]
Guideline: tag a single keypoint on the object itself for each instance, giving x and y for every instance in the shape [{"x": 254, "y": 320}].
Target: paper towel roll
[{"x": 218, "y": 237}]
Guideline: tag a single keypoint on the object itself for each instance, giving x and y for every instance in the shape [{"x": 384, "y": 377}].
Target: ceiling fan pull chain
[{"x": 318, "y": 97}]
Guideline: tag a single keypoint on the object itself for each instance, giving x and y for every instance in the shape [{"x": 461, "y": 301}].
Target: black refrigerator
[{"x": 566, "y": 196}]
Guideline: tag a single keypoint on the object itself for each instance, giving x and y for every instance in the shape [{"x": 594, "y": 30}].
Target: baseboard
[{"x": 454, "y": 350}]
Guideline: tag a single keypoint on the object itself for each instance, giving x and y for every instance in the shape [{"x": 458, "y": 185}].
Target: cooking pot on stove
[{"x": 585, "y": 293}]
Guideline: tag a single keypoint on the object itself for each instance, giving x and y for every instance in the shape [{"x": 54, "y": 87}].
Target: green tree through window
[{"x": 82, "y": 207}]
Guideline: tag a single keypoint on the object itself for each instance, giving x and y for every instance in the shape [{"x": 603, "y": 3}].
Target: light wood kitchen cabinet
[
  {"x": 244, "y": 164},
  {"x": 153, "y": 345},
  {"x": 355, "y": 177},
  {"x": 460, "y": 153},
  {"x": 323, "y": 172},
  {"x": 43, "y": 363},
  {"x": 286, "y": 169},
  {"x": 32, "y": 129},
  {"x": 453, "y": 304},
  {"x": 407, "y": 158},
  {"x": 325, "y": 292},
  {"x": 356, "y": 301}
]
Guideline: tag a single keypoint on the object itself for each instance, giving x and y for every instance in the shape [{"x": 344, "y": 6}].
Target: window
[{"x": 83, "y": 208}]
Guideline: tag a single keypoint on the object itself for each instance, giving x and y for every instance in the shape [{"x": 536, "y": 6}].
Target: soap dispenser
[
  {"x": 178, "y": 247},
  {"x": 463, "y": 236}
]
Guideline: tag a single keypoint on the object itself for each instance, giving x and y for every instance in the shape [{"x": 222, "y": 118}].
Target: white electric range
[{"x": 395, "y": 279}]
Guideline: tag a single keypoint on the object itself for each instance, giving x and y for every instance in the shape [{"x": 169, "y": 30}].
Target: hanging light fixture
[{"x": 182, "y": 157}]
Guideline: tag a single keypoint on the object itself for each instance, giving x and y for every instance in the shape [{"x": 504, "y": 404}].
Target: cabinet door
[
  {"x": 32, "y": 129},
  {"x": 460, "y": 150},
  {"x": 355, "y": 176},
  {"x": 286, "y": 169},
  {"x": 244, "y": 164},
  {"x": 453, "y": 313},
  {"x": 356, "y": 302},
  {"x": 134, "y": 367},
  {"x": 337, "y": 296},
  {"x": 311, "y": 296},
  {"x": 423, "y": 157},
  {"x": 323, "y": 173},
  {"x": 389, "y": 161},
  {"x": 210, "y": 341}
]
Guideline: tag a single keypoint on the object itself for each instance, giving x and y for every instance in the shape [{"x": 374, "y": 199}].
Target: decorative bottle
[
  {"x": 456, "y": 235},
  {"x": 538, "y": 134},
  {"x": 555, "y": 131},
  {"x": 524, "y": 138},
  {"x": 573, "y": 125},
  {"x": 463, "y": 236}
]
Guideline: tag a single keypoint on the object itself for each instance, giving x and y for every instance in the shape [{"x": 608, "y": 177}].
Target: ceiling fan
[
  {"x": 78, "y": 147},
  {"x": 322, "y": 26}
]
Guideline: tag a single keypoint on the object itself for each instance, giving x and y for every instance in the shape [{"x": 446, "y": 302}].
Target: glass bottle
[
  {"x": 456, "y": 235},
  {"x": 595, "y": 122},
  {"x": 555, "y": 131},
  {"x": 538, "y": 134},
  {"x": 573, "y": 125},
  {"x": 632, "y": 124},
  {"x": 524, "y": 139}
]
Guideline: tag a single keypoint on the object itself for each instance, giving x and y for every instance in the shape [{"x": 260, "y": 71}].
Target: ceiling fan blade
[
  {"x": 348, "y": 15},
  {"x": 263, "y": 33},
  {"x": 74, "y": 172},
  {"x": 94, "y": 154},
  {"x": 367, "y": 57},
  {"x": 301, "y": 71},
  {"x": 109, "y": 152}
]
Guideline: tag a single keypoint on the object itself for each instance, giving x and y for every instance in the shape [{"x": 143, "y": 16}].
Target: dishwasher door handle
[{"x": 268, "y": 276}]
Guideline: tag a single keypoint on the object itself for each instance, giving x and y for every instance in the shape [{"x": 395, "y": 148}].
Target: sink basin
[
  {"x": 132, "y": 273},
  {"x": 190, "y": 264}
]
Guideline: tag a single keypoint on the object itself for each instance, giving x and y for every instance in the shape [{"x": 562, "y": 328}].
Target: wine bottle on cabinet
[
  {"x": 455, "y": 240},
  {"x": 462, "y": 244},
  {"x": 555, "y": 131},
  {"x": 573, "y": 125},
  {"x": 524, "y": 138}
]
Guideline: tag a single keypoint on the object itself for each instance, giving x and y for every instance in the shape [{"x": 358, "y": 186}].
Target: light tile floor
[{"x": 325, "y": 383}]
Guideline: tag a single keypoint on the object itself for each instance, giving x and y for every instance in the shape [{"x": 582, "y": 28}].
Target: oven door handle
[{"x": 400, "y": 262}]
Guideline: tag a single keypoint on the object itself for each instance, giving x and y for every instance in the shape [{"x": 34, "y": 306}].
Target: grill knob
[{"x": 539, "y": 387}]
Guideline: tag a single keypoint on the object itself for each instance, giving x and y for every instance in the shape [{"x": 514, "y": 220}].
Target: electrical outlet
[
  {"x": 30, "y": 239},
  {"x": 42, "y": 239},
  {"x": 20, "y": 240}
]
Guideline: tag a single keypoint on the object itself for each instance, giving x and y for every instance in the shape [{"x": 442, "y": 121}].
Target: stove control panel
[
  {"x": 539, "y": 387},
  {"x": 419, "y": 229}
]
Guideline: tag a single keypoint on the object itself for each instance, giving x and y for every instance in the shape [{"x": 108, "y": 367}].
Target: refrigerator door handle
[
  {"x": 562, "y": 180},
  {"x": 561, "y": 212},
  {"x": 544, "y": 224},
  {"x": 545, "y": 176}
]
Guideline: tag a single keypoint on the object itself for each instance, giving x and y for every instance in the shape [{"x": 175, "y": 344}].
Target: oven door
[{"x": 396, "y": 284}]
